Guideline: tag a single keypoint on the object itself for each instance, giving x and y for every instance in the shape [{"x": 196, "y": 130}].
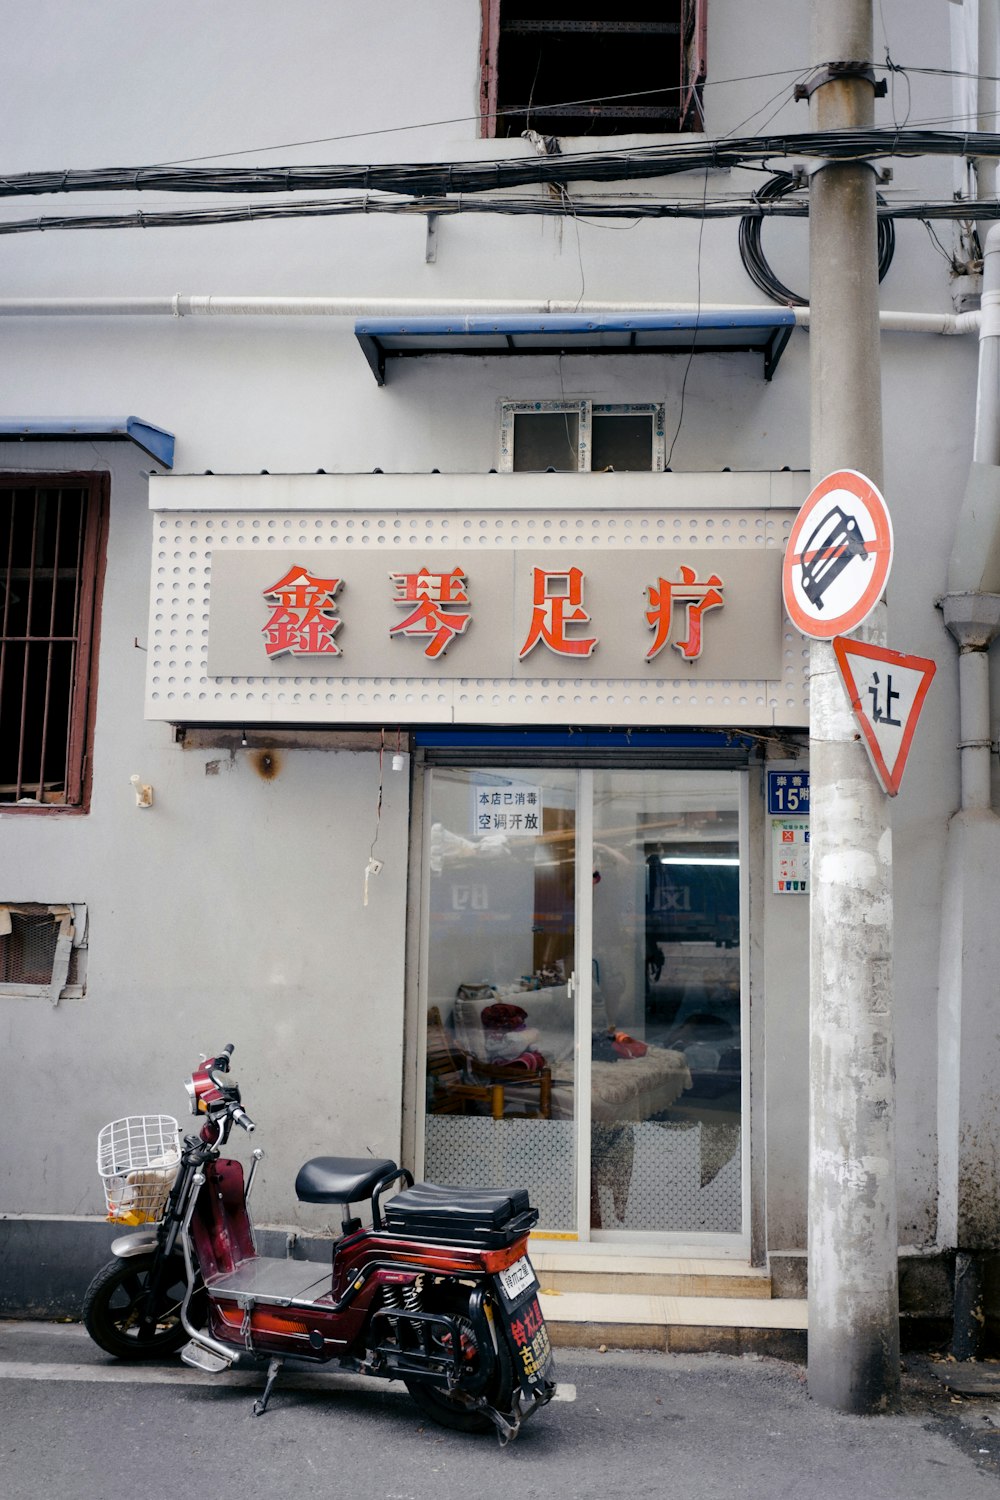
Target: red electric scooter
[{"x": 437, "y": 1292}]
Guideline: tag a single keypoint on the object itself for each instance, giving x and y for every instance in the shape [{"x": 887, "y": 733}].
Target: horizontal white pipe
[
  {"x": 914, "y": 322},
  {"x": 415, "y": 307}
]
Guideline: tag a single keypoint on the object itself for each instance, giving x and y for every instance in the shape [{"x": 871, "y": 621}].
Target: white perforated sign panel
[{"x": 181, "y": 688}]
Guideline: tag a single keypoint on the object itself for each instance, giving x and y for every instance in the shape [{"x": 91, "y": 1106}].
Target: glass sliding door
[
  {"x": 500, "y": 965},
  {"x": 584, "y": 1000},
  {"x": 666, "y": 1076}
]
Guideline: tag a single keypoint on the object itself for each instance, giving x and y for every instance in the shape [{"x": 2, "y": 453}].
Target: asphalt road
[{"x": 76, "y": 1425}]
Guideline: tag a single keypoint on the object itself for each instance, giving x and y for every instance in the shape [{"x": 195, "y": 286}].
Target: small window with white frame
[
  {"x": 43, "y": 951},
  {"x": 570, "y": 437}
]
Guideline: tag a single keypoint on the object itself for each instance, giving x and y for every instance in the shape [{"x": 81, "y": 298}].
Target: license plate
[{"x": 517, "y": 1279}]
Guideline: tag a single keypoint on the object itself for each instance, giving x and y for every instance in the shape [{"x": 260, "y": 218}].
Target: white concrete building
[{"x": 427, "y": 728}]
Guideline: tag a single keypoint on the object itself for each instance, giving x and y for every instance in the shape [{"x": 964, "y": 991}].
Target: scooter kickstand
[{"x": 260, "y": 1405}]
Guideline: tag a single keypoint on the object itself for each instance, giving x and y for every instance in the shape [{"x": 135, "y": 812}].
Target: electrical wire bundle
[{"x": 430, "y": 178}]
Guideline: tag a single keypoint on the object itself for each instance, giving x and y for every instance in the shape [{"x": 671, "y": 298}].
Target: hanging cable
[
  {"x": 374, "y": 865},
  {"x": 590, "y": 210},
  {"x": 752, "y": 253}
]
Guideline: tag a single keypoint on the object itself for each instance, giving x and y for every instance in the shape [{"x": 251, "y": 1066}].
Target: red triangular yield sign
[{"x": 887, "y": 692}]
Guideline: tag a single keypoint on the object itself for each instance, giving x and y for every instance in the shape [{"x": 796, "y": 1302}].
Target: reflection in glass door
[
  {"x": 666, "y": 1076},
  {"x": 500, "y": 964},
  {"x": 583, "y": 995}
]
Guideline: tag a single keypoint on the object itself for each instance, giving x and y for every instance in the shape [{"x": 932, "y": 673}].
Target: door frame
[{"x": 750, "y": 1242}]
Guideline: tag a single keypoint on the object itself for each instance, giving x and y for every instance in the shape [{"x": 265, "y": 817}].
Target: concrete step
[
  {"x": 730, "y": 1325},
  {"x": 680, "y": 1304},
  {"x": 609, "y": 1274}
]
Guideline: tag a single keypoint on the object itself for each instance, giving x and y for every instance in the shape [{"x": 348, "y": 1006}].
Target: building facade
[{"x": 405, "y": 693}]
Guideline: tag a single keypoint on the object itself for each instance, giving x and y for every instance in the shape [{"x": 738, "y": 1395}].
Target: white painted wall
[
  {"x": 232, "y": 910},
  {"x": 229, "y": 911}
]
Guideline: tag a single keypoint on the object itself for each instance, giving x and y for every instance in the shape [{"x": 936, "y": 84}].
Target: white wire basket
[{"x": 138, "y": 1158}]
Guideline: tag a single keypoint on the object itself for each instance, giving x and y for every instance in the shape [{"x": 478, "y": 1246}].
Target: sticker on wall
[{"x": 790, "y": 856}]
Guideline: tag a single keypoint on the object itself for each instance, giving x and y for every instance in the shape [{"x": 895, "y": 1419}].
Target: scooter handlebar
[{"x": 243, "y": 1120}]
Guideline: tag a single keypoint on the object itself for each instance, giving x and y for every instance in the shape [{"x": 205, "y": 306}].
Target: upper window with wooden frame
[
  {"x": 52, "y": 531},
  {"x": 568, "y": 437},
  {"x": 565, "y": 68}
]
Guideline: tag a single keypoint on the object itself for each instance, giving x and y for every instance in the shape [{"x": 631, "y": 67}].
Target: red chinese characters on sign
[
  {"x": 532, "y": 1338},
  {"x": 695, "y": 597},
  {"x": 434, "y": 597},
  {"x": 557, "y": 602},
  {"x": 302, "y": 620}
]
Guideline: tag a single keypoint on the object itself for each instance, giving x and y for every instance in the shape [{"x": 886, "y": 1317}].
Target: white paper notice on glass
[
  {"x": 790, "y": 856},
  {"x": 511, "y": 809}
]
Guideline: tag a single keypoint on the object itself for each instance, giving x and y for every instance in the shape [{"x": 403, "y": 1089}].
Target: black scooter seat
[
  {"x": 341, "y": 1179},
  {"x": 428, "y": 1205}
]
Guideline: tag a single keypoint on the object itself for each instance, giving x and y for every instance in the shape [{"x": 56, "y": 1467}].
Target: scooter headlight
[{"x": 192, "y": 1095}]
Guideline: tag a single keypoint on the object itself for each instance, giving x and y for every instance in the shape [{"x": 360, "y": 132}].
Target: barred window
[
  {"x": 43, "y": 950},
  {"x": 51, "y": 544}
]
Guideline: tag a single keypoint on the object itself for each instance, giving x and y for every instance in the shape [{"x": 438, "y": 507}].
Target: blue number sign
[{"x": 788, "y": 792}]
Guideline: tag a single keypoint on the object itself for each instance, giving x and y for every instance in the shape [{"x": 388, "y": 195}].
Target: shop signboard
[
  {"x": 643, "y": 600},
  {"x": 510, "y": 614}
]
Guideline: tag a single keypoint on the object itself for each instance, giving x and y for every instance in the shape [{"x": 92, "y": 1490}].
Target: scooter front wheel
[{"x": 115, "y": 1305}]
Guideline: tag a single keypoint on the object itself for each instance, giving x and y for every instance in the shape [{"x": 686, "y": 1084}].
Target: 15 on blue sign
[{"x": 788, "y": 792}]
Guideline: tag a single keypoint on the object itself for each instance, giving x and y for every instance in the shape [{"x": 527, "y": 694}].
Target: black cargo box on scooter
[{"x": 489, "y": 1218}]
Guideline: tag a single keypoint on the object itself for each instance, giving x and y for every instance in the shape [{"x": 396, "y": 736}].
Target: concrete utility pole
[{"x": 853, "y": 1239}]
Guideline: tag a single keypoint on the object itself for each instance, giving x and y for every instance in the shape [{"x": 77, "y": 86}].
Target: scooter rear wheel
[
  {"x": 449, "y": 1410},
  {"x": 115, "y": 1303}
]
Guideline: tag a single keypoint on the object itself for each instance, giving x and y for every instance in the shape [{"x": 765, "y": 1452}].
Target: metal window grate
[
  {"x": 43, "y": 950},
  {"x": 48, "y": 565},
  {"x": 27, "y": 952}
]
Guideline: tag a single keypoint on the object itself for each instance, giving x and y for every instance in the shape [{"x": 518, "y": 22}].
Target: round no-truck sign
[{"x": 838, "y": 556}]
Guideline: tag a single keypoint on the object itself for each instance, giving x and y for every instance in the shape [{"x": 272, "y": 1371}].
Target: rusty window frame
[
  {"x": 692, "y": 24},
  {"x": 46, "y": 705}
]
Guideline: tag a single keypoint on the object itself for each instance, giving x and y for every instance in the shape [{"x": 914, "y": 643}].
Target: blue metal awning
[
  {"x": 155, "y": 441},
  {"x": 712, "y": 331}
]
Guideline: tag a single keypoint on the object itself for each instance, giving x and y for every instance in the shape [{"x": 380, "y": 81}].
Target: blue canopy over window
[
  {"x": 711, "y": 331},
  {"x": 155, "y": 441}
]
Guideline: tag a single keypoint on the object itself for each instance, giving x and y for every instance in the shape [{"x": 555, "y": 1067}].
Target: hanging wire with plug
[
  {"x": 374, "y": 865},
  {"x": 398, "y": 758}
]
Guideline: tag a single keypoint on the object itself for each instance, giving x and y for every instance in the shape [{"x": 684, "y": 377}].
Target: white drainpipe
[
  {"x": 179, "y": 306},
  {"x": 967, "y": 1043},
  {"x": 971, "y": 611}
]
